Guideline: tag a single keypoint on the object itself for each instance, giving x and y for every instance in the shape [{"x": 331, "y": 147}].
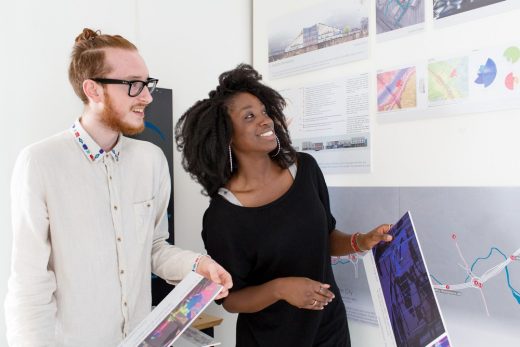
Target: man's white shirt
[{"x": 89, "y": 227}]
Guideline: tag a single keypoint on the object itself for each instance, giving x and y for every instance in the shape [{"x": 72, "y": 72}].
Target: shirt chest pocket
[{"x": 144, "y": 220}]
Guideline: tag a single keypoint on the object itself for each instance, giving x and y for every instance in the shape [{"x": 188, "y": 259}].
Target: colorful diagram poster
[
  {"x": 496, "y": 73},
  {"x": 397, "y": 89},
  {"x": 398, "y": 18},
  {"x": 448, "y": 80},
  {"x": 331, "y": 33},
  {"x": 479, "y": 81},
  {"x": 174, "y": 314}
]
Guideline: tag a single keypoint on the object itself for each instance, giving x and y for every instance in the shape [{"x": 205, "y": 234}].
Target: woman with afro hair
[{"x": 269, "y": 221}]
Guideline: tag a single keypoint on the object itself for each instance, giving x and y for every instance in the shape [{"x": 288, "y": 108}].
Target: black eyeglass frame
[{"x": 130, "y": 83}]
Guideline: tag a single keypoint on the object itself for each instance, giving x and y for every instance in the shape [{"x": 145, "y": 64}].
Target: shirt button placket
[{"x": 116, "y": 219}]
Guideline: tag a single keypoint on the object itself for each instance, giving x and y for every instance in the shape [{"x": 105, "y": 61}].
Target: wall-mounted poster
[
  {"x": 447, "y": 12},
  {"x": 471, "y": 247},
  {"x": 448, "y": 80},
  {"x": 398, "y": 18},
  {"x": 477, "y": 81},
  {"x": 330, "y": 120},
  {"x": 331, "y": 33},
  {"x": 159, "y": 131},
  {"x": 397, "y": 89}
]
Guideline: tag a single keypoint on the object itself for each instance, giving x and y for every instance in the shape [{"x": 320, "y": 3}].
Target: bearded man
[{"x": 89, "y": 212}]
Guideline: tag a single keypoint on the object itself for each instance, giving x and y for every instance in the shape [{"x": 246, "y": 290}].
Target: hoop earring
[
  {"x": 230, "y": 159},
  {"x": 278, "y": 151}
]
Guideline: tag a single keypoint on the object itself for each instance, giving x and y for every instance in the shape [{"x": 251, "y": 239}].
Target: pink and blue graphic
[
  {"x": 396, "y": 89},
  {"x": 183, "y": 314}
]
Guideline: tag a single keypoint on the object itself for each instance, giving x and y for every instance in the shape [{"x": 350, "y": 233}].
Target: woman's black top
[{"x": 288, "y": 237}]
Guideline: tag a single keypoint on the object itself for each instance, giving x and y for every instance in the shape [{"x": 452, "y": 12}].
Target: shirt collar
[{"x": 89, "y": 147}]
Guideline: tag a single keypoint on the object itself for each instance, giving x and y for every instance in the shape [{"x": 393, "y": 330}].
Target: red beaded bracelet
[{"x": 354, "y": 243}]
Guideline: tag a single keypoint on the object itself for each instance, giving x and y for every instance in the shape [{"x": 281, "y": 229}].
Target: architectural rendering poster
[
  {"x": 470, "y": 243},
  {"x": 330, "y": 121},
  {"x": 448, "y": 12},
  {"x": 398, "y": 18},
  {"x": 479, "y": 81},
  {"x": 331, "y": 33}
]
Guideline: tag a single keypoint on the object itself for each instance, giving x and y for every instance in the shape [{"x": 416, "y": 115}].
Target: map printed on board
[
  {"x": 471, "y": 246},
  {"x": 397, "y": 89},
  {"x": 448, "y": 80}
]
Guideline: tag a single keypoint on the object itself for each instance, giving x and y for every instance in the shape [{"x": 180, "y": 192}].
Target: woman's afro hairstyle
[{"x": 203, "y": 133}]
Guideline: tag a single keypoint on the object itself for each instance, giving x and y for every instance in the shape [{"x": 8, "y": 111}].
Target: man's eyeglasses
[{"x": 135, "y": 87}]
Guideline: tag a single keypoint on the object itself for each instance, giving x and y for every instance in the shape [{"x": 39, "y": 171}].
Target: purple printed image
[
  {"x": 409, "y": 297},
  {"x": 182, "y": 316},
  {"x": 444, "y": 342}
]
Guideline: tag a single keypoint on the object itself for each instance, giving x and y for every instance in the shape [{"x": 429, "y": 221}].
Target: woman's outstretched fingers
[{"x": 325, "y": 295}]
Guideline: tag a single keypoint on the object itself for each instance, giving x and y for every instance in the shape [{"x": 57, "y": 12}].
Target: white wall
[
  {"x": 186, "y": 45},
  {"x": 464, "y": 150},
  {"x": 470, "y": 149}
]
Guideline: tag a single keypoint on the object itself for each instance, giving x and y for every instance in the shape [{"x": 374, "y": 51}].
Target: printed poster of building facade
[{"x": 331, "y": 33}]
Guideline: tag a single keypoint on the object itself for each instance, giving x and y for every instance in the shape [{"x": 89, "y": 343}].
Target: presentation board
[{"x": 471, "y": 247}]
